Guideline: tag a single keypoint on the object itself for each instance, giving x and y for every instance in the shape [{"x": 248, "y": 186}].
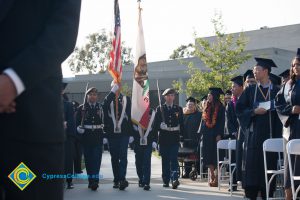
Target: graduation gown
[
  {"x": 209, "y": 135},
  {"x": 284, "y": 104},
  {"x": 257, "y": 129}
]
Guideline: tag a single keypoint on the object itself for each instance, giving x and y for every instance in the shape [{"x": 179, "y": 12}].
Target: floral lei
[{"x": 210, "y": 123}]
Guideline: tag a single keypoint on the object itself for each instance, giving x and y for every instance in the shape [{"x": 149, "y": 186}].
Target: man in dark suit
[{"x": 35, "y": 37}]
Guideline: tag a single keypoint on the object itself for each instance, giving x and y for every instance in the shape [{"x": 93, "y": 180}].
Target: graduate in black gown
[
  {"x": 288, "y": 107},
  {"x": 259, "y": 121},
  {"x": 212, "y": 130},
  {"x": 232, "y": 125}
]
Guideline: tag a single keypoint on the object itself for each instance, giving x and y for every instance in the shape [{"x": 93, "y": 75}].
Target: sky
[{"x": 170, "y": 23}]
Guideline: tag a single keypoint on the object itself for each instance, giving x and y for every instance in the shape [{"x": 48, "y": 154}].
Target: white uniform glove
[
  {"x": 163, "y": 126},
  {"x": 105, "y": 141},
  {"x": 80, "y": 130},
  {"x": 154, "y": 145},
  {"x": 135, "y": 127},
  {"x": 131, "y": 139},
  {"x": 115, "y": 88},
  {"x": 65, "y": 125}
]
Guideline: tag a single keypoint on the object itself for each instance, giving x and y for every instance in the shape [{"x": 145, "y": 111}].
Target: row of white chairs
[
  {"x": 270, "y": 145},
  {"x": 292, "y": 148}
]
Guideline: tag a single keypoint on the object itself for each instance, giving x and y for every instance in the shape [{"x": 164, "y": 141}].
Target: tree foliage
[
  {"x": 184, "y": 51},
  {"x": 94, "y": 55},
  {"x": 222, "y": 58}
]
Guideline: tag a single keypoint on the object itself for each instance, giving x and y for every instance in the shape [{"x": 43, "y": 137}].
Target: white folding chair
[
  {"x": 293, "y": 148},
  {"x": 272, "y": 145},
  {"x": 232, "y": 166},
  {"x": 222, "y": 164},
  {"x": 201, "y": 177}
]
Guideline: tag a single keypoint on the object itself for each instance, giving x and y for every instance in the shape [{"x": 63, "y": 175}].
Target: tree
[
  {"x": 94, "y": 55},
  {"x": 221, "y": 57},
  {"x": 184, "y": 51}
]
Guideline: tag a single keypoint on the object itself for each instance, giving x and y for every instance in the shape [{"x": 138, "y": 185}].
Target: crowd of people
[{"x": 257, "y": 107}]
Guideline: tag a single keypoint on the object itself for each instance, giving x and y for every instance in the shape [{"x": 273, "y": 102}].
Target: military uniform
[
  {"x": 90, "y": 117},
  {"x": 143, "y": 151},
  {"x": 169, "y": 122},
  {"x": 118, "y": 129}
]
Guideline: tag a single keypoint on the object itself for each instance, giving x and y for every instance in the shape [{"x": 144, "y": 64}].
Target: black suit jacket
[{"x": 35, "y": 38}]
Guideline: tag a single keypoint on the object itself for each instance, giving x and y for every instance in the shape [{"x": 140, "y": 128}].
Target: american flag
[{"x": 115, "y": 65}]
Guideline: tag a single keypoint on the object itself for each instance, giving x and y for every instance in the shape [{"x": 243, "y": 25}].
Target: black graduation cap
[
  {"x": 276, "y": 80},
  {"x": 285, "y": 73},
  {"x": 168, "y": 91},
  {"x": 64, "y": 85},
  {"x": 228, "y": 92},
  {"x": 265, "y": 63},
  {"x": 238, "y": 80},
  {"x": 204, "y": 98},
  {"x": 192, "y": 99},
  {"x": 92, "y": 89},
  {"x": 298, "y": 52},
  {"x": 215, "y": 90},
  {"x": 248, "y": 74}
]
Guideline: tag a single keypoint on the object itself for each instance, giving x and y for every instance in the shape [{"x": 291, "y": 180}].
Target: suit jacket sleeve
[
  {"x": 43, "y": 57},
  {"x": 229, "y": 113},
  {"x": 244, "y": 109}
]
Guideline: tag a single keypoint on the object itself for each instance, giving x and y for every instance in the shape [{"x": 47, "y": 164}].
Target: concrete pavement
[{"x": 187, "y": 190}]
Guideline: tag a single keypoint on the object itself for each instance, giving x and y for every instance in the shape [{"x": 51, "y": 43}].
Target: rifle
[
  {"x": 84, "y": 101},
  {"x": 159, "y": 101}
]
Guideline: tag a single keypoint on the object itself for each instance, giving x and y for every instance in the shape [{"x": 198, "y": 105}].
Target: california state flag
[{"x": 140, "y": 90}]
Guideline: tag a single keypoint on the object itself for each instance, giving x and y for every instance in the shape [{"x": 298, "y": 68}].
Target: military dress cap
[
  {"x": 248, "y": 74},
  {"x": 276, "y": 80},
  {"x": 192, "y": 99},
  {"x": 168, "y": 91},
  {"x": 92, "y": 89},
  {"x": 215, "y": 90},
  {"x": 285, "y": 73},
  {"x": 238, "y": 80},
  {"x": 265, "y": 63}
]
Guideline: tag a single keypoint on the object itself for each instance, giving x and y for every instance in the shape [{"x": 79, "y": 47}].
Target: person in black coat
[
  {"x": 191, "y": 121},
  {"x": 259, "y": 121},
  {"x": 70, "y": 129},
  {"x": 288, "y": 108},
  {"x": 211, "y": 131},
  {"x": 35, "y": 37}
]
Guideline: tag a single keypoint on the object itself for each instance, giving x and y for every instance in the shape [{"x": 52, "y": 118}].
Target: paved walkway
[{"x": 187, "y": 190}]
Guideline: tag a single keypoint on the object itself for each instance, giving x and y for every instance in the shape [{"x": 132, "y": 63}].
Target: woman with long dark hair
[
  {"x": 212, "y": 130},
  {"x": 288, "y": 108}
]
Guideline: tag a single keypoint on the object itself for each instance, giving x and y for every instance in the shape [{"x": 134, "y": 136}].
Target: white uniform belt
[
  {"x": 176, "y": 128},
  {"x": 93, "y": 126}
]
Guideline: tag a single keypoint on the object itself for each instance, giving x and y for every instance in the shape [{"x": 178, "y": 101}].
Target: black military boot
[
  {"x": 147, "y": 187},
  {"x": 175, "y": 184},
  {"x": 70, "y": 185},
  {"x": 123, "y": 184},
  {"x": 116, "y": 185}
]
